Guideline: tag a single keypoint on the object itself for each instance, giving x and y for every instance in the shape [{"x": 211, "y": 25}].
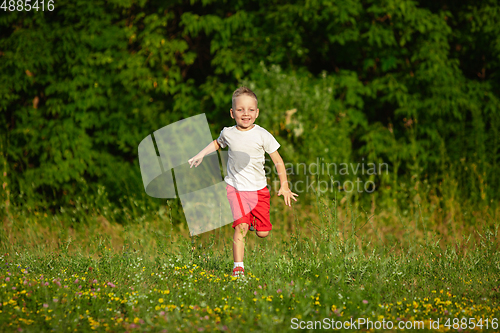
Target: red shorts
[{"x": 247, "y": 205}]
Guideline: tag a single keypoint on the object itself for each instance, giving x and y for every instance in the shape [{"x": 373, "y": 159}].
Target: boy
[{"x": 246, "y": 179}]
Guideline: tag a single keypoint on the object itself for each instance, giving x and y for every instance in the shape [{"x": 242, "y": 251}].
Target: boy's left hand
[{"x": 287, "y": 194}]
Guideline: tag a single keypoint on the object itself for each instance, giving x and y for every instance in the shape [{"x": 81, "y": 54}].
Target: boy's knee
[
  {"x": 262, "y": 234},
  {"x": 241, "y": 228}
]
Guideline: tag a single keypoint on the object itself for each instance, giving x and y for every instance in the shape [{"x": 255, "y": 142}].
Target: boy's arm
[
  {"x": 212, "y": 146},
  {"x": 284, "y": 189}
]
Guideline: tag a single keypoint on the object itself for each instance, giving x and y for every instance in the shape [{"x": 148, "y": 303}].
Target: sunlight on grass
[{"x": 147, "y": 277}]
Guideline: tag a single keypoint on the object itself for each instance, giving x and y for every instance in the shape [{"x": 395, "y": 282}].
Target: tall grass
[{"x": 335, "y": 261}]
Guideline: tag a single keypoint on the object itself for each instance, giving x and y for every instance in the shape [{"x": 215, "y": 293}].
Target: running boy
[{"x": 246, "y": 180}]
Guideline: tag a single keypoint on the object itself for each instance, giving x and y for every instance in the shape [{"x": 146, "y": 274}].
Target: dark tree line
[{"x": 411, "y": 84}]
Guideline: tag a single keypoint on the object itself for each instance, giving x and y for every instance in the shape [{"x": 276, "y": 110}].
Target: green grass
[{"x": 96, "y": 275}]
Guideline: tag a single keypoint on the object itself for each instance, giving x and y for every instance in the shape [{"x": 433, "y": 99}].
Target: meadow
[
  {"x": 411, "y": 85},
  {"x": 332, "y": 267}
]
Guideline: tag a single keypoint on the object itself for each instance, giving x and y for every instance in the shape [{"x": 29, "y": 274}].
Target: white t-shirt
[{"x": 245, "y": 165}]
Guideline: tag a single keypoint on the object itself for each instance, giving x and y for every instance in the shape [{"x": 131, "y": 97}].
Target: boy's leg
[
  {"x": 241, "y": 205},
  {"x": 261, "y": 213},
  {"x": 240, "y": 232},
  {"x": 262, "y": 234}
]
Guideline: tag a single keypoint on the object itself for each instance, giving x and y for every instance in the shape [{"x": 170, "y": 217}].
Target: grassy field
[{"x": 332, "y": 267}]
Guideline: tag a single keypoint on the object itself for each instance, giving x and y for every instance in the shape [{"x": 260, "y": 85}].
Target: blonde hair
[{"x": 243, "y": 91}]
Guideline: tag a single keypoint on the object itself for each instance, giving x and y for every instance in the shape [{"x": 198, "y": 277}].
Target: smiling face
[{"x": 245, "y": 112}]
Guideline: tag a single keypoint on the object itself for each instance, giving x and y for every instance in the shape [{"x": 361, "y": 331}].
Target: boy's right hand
[{"x": 195, "y": 161}]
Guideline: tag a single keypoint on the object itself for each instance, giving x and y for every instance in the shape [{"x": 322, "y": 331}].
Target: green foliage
[{"x": 411, "y": 84}]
